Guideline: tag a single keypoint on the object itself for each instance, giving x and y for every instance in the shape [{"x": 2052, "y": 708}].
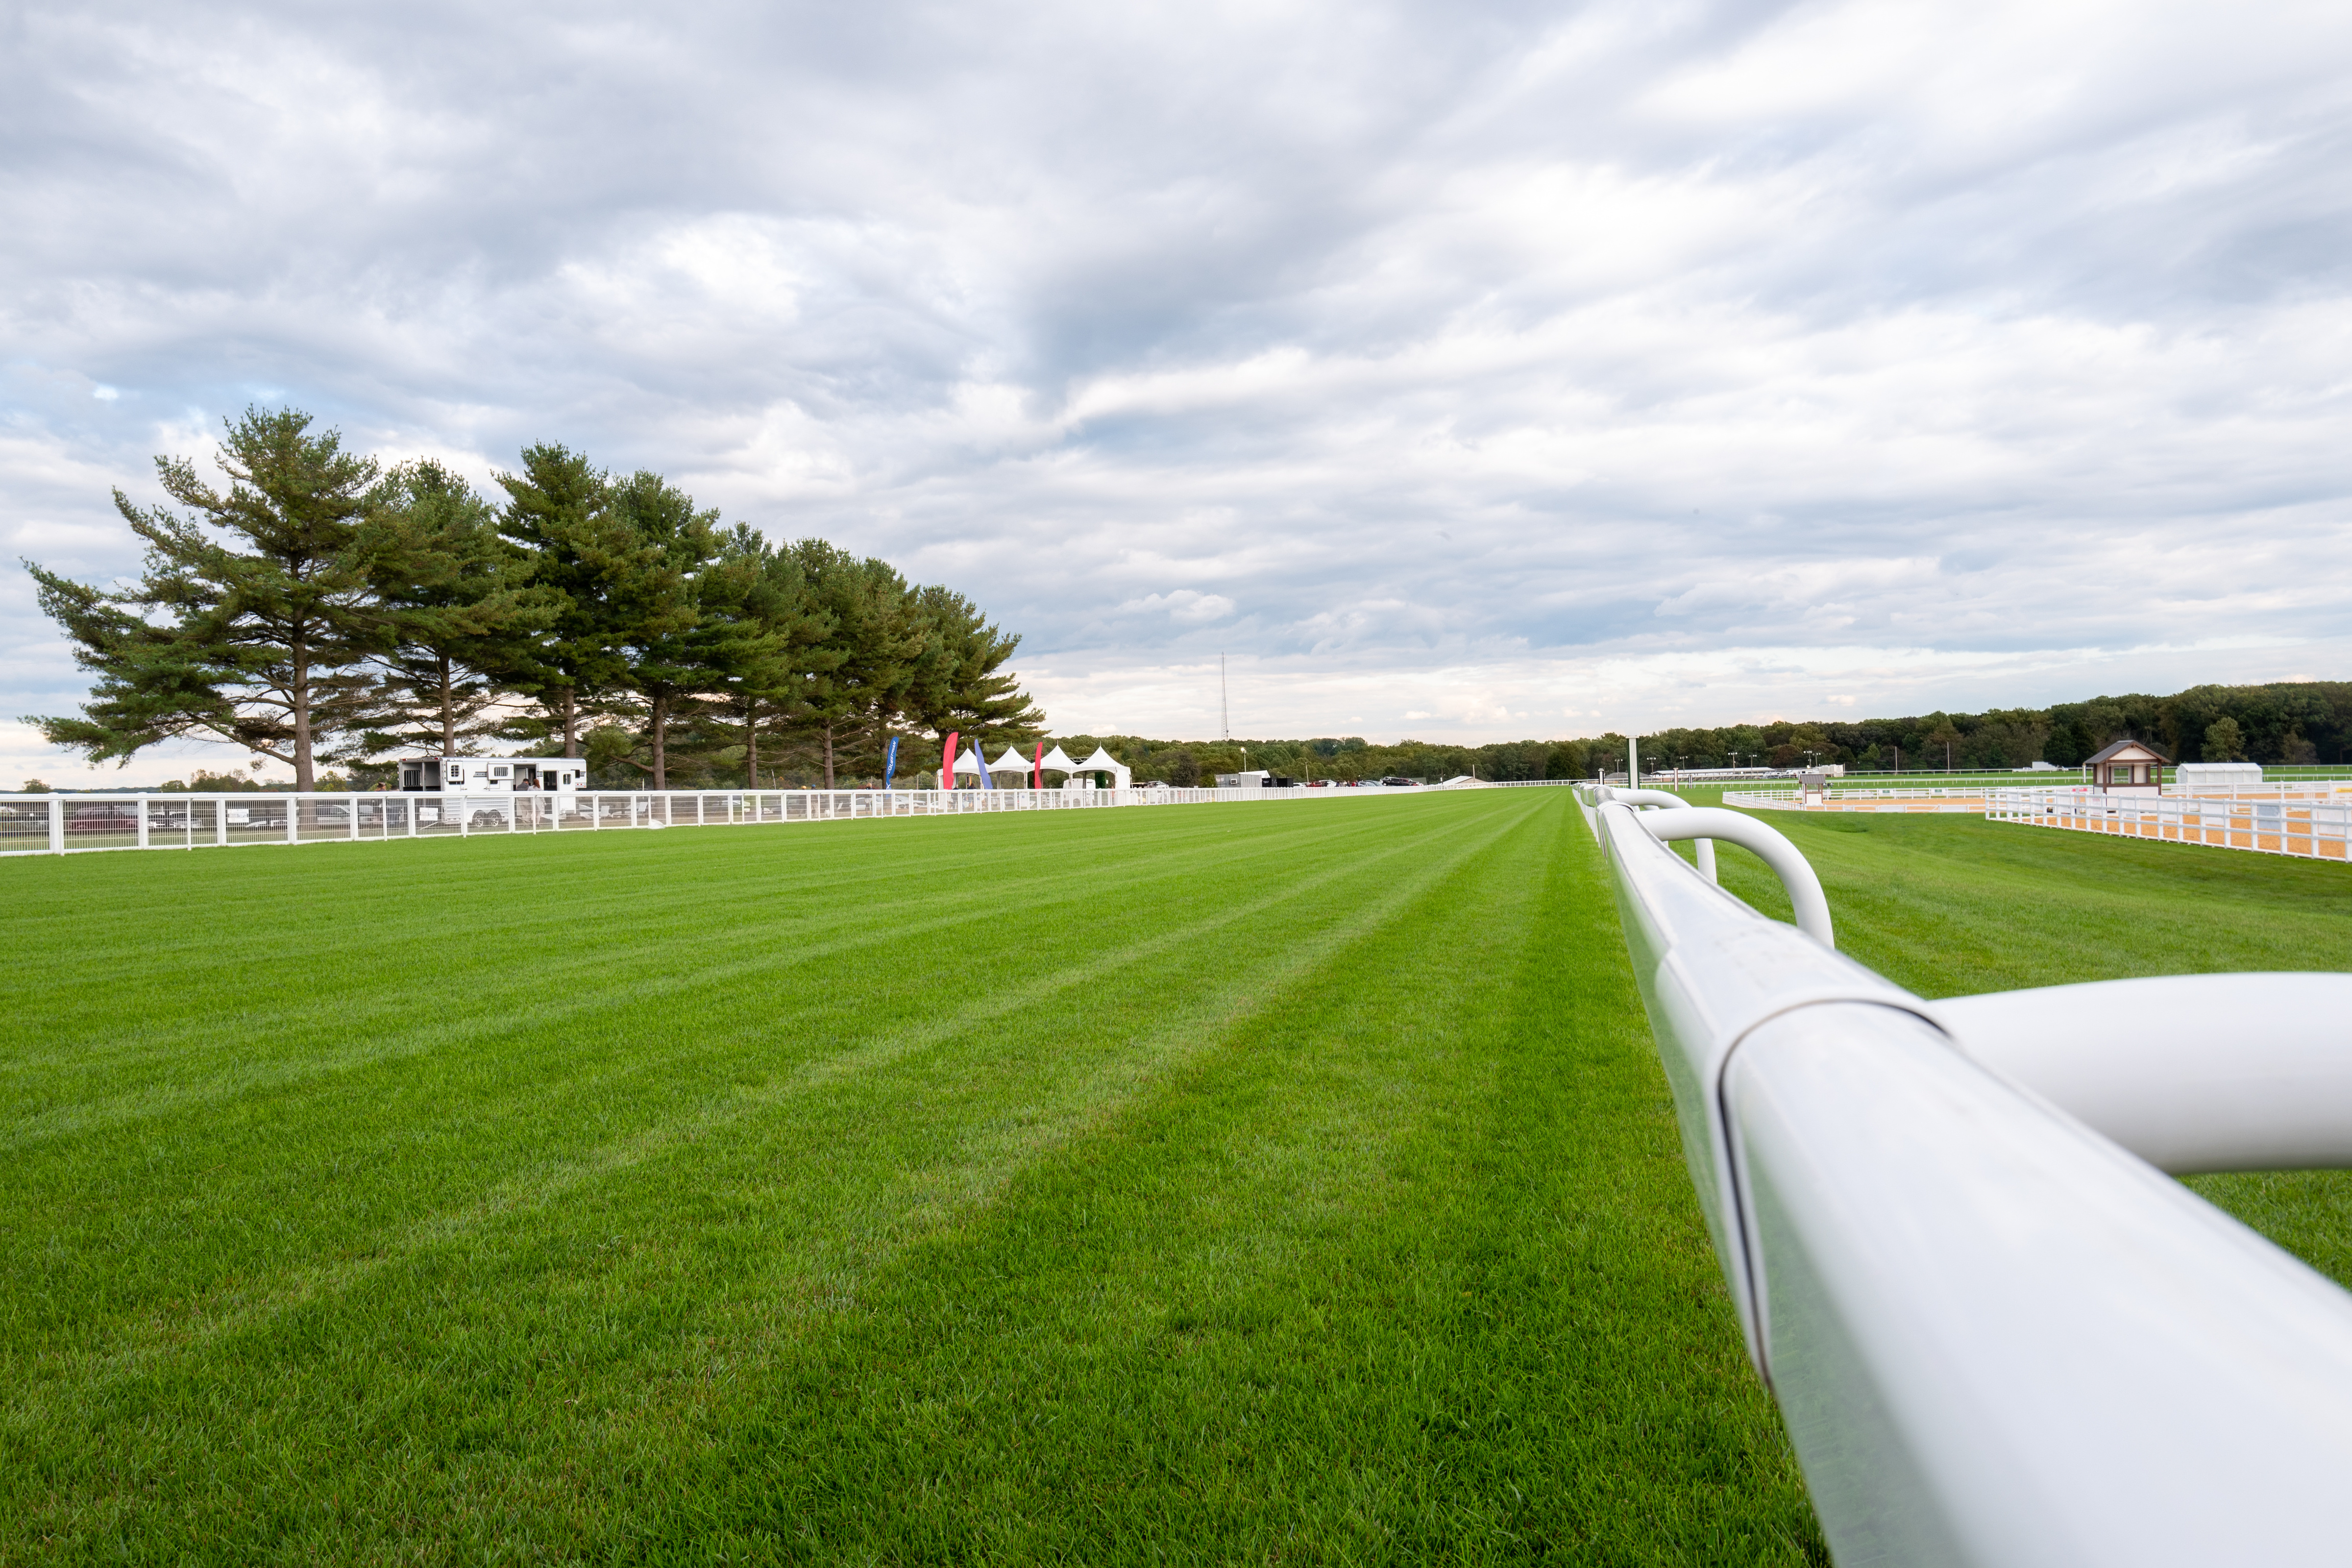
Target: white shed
[{"x": 2216, "y": 778}]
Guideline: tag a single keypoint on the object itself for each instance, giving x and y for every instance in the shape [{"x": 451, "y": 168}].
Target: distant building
[
  {"x": 2215, "y": 778},
  {"x": 2128, "y": 766}
]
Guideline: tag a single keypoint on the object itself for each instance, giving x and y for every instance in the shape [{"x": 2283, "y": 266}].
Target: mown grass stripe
[
  {"x": 1219, "y": 1005},
  {"x": 585, "y": 985},
  {"x": 521, "y": 964}
]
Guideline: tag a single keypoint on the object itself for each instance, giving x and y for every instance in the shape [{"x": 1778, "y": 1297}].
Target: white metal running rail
[
  {"x": 71, "y": 824},
  {"x": 1999, "y": 1332}
]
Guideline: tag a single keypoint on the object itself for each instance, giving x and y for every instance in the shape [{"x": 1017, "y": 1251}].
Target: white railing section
[
  {"x": 67, "y": 823},
  {"x": 1954, "y": 798},
  {"x": 2282, "y": 790},
  {"x": 1999, "y": 1333},
  {"x": 2306, "y": 829}
]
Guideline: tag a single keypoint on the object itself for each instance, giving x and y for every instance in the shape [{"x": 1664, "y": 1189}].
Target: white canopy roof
[
  {"x": 1102, "y": 761},
  {"x": 1011, "y": 762},
  {"x": 969, "y": 763},
  {"x": 1057, "y": 761}
]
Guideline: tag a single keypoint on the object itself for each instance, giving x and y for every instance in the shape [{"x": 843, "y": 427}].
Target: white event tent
[
  {"x": 1102, "y": 761},
  {"x": 1010, "y": 771}
]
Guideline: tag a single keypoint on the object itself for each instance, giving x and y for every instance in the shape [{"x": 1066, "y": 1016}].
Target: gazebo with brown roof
[{"x": 2128, "y": 767}]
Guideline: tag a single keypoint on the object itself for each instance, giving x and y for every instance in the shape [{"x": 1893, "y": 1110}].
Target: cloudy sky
[{"x": 1459, "y": 371}]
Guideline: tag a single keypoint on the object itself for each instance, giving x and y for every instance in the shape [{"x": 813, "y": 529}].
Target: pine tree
[
  {"x": 959, "y": 682},
  {"x": 458, "y": 602},
  {"x": 263, "y": 595},
  {"x": 868, "y": 655},
  {"x": 559, "y": 512},
  {"x": 774, "y": 684},
  {"x": 681, "y": 633}
]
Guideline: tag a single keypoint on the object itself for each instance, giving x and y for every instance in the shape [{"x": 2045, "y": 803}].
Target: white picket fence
[
  {"x": 71, "y": 824},
  {"x": 1999, "y": 1332},
  {"x": 2313, "y": 827},
  {"x": 1932, "y": 798}
]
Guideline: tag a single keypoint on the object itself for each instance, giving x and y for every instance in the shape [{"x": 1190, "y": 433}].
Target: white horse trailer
[
  {"x": 491, "y": 775},
  {"x": 487, "y": 783}
]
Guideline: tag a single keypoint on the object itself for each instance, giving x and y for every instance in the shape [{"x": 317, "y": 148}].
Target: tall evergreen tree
[
  {"x": 681, "y": 634},
  {"x": 869, "y": 655},
  {"x": 559, "y": 512},
  {"x": 457, "y": 606},
  {"x": 959, "y": 682},
  {"x": 774, "y": 685},
  {"x": 264, "y": 594}
]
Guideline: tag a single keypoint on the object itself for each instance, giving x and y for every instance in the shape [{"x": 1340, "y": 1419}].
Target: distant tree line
[
  {"x": 1187, "y": 762},
  {"x": 326, "y": 610},
  {"x": 2298, "y": 723}
]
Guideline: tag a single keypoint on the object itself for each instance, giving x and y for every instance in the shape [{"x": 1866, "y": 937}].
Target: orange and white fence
[
  {"x": 2306, "y": 825},
  {"x": 1951, "y": 798}
]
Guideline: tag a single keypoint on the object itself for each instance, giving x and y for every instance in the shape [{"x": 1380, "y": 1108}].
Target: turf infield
[{"x": 1194, "y": 1184}]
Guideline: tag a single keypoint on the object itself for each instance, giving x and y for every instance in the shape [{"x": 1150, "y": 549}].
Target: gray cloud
[{"x": 1467, "y": 370}]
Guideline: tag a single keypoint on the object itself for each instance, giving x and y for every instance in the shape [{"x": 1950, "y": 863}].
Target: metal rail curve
[{"x": 1999, "y": 1334}]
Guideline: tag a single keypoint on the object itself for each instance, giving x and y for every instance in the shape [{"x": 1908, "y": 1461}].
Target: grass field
[
  {"x": 1233, "y": 1185},
  {"x": 1193, "y": 1185}
]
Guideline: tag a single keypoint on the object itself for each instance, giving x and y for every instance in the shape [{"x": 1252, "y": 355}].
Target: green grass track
[{"x": 1282, "y": 1183}]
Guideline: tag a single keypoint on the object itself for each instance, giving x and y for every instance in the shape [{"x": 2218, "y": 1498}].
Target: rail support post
[
  {"x": 1702, "y": 848},
  {"x": 56, "y": 825},
  {"x": 1796, "y": 874}
]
